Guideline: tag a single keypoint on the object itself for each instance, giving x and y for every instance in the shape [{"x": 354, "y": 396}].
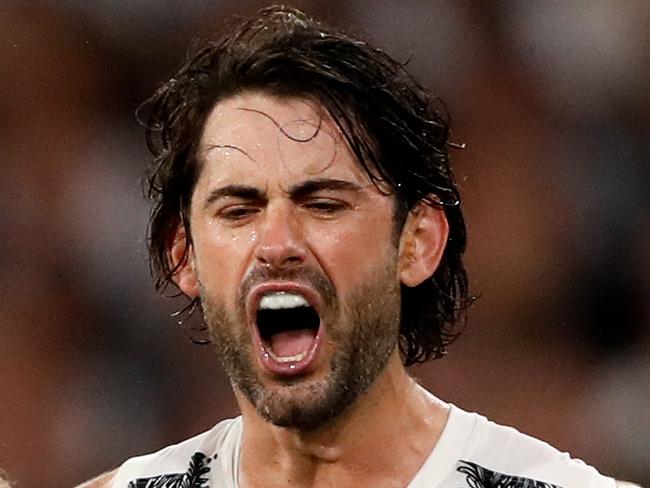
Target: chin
[{"x": 303, "y": 406}]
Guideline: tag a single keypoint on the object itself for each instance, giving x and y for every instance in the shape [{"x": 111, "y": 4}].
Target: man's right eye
[{"x": 237, "y": 212}]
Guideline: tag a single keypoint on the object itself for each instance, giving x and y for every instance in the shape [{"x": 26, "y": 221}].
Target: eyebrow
[
  {"x": 306, "y": 188},
  {"x": 296, "y": 192},
  {"x": 238, "y": 191}
]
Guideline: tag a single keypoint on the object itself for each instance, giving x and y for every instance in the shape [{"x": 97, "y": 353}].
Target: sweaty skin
[
  {"x": 246, "y": 213},
  {"x": 279, "y": 191}
]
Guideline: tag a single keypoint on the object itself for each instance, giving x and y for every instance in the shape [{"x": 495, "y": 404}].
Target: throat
[{"x": 291, "y": 460}]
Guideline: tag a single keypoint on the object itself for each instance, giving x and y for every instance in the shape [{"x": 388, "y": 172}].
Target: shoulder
[{"x": 101, "y": 481}]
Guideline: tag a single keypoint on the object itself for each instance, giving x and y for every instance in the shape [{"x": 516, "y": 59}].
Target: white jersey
[{"x": 472, "y": 452}]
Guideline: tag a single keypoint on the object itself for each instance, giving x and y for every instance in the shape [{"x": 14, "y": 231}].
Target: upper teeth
[{"x": 282, "y": 299}]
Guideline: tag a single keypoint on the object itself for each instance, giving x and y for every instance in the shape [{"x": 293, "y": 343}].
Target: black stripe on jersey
[
  {"x": 480, "y": 477},
  {"x": 194, "y": 477}
]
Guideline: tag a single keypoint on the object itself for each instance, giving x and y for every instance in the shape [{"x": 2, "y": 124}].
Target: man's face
[{"x": 294, "y": 253}]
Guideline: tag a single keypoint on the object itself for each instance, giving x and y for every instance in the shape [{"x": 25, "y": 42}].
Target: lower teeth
[{"x": 287, "y": 359}]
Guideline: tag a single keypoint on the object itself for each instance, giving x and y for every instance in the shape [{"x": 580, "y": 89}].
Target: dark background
[{"x": 551, "y": 98}]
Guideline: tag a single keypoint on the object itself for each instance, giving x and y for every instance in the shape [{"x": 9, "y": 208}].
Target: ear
[
  {"x": 422, "y": 243},
  {"x": 181, "y": 258}
]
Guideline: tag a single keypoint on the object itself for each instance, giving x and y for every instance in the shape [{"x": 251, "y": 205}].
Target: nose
[{"x": 280, "y": 242}]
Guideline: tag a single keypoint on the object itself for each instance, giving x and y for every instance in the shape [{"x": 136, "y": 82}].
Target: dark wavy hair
[{"x": 386, "y": 116}]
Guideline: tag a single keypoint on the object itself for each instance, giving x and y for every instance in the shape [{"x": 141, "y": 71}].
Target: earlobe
[
  {"x": 422, "y": 243},
  {"x": 181, "y": 260}
]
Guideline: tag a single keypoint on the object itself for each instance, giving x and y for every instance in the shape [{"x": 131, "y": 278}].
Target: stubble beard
[{"x": 364, "y": 338}]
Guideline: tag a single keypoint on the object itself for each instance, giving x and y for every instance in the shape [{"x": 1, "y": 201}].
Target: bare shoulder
[{"x": 102, "y": 481}]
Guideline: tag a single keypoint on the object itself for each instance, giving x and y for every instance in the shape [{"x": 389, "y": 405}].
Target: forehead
[{"x": 254, "y": 134}]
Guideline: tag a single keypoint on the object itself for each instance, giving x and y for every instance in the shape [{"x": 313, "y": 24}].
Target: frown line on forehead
[
  {"x": 210, "y": 147},
  {"x": 283, "y": 128},
  {"x": 311, "y": 131}
]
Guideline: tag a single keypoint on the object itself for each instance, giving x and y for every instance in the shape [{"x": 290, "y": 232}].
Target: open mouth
[{"x": 288, "y": 326}]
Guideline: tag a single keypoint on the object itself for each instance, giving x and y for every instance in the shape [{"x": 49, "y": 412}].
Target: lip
[{"x": 292, "y": 368}]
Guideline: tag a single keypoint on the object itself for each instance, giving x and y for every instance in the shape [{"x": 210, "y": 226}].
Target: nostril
[
  {"x": 280, "y": 263},
  {"x": 280, "y": 257}
]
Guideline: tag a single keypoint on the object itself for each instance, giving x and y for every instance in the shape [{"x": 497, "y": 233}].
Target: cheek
[
  {"x": 221, "y": 259},
  {"x": 349, "y": 256}
]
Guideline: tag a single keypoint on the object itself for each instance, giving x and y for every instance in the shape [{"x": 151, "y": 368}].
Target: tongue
[{"x": 291, "y": 342}]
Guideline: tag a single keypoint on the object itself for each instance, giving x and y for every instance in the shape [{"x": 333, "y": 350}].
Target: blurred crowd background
[{"x": 551, "y": 100}]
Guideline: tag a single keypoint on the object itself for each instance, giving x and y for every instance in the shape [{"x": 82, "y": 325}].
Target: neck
[{"x": 349, "y": 450}]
